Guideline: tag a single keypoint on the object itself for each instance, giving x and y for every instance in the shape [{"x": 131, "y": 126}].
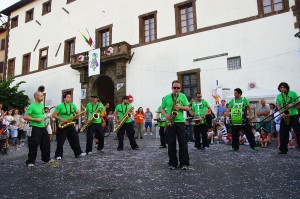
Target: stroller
[{"x": 4, "y": 136}]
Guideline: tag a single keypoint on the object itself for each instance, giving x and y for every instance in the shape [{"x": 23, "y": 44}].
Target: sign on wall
[{"x": 94, "y": 62}]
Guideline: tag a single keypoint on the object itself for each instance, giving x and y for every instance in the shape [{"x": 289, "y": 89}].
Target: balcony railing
[{"x": 113, "y": 52}]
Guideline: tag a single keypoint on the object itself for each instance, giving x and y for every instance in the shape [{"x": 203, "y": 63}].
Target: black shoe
[
  {"x": 162, "y": 147},
  {"x": 280, "y": 152},
  {"x": 136, "y": 138},
  {"x": 120, "y": 149},
  {"x": 141, "y": 138},
  {"x": 135, "y": 148}
]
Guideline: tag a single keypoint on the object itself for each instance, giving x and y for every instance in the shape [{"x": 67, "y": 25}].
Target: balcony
[{"x": 113, "y": 53}]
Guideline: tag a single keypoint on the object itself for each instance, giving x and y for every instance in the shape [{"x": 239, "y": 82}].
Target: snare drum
[{"x": 237, "y": 116}]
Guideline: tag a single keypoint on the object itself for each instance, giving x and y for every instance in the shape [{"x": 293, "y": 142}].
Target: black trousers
[
  {"x": 200, "y": 130},
  {"x": 177, "y": 130},
  {"x": 39, "y": 137},
  {"x": 162, "y": 136},
  {"x": 284, "y": 132},
  {"x": 236, "y": 134},
  {"x": 71, "y": 134},
  {"x": 128, "y": 127},
  {"x": 99, "y": 134}
]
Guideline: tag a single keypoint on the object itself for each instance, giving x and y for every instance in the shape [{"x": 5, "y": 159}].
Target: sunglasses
[
  {"x": 199, "y": 96},
  {"x": 176, "y": 88}
]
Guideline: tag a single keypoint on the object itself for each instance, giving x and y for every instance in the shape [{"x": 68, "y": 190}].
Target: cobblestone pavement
[{"x": 214, "y": 173}]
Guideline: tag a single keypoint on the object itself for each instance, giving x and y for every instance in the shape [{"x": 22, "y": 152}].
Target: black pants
[
  {"x": 200, "y": 130},
  {"x": 236, "y": 134},
  {"x": 162, "y": 136},
  {"x": 128, "y": 127},
  {"x": 99, "y": 134},
  {"x": 284, "y": 132},
  {"x": 39, "y": 136},
  {"x": 177, "y": 130},
  {"x": 71, "y": 134}
]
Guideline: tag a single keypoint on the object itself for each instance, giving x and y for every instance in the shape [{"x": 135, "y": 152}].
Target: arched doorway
[{"x": 104, "y": 87}]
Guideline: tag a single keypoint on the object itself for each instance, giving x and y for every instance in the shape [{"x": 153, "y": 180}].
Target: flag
[
  {"x": 85, "y": 39},
  {"x": 94, "y": 62},
  {"x": 90, "y": 38}
]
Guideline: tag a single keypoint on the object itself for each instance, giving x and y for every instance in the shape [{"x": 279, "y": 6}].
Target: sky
[{"x": 4, "y": 4}]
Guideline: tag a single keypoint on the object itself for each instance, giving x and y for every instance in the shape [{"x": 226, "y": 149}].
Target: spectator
[
  {"x": 221, "y": 132},
  {"x": 273, "y": 129},
  {"x": 47, "y": 121},
  {"x": 256, "y": 135},
  {"x": 110, "y": 119},
  {"x": 17, "y": 118},
  {"x": 263, "y": 112},
  {"x": 210, "y": 134},
  {"x": 190, "y": 117},
  {"x": 221, "y": 108},
  {"x": 148, "y": 121},
  {"x": 139, "y": 120},
  {"x": 243, "y": 139},
  {"x": 8, "y": 117},
  {"x": 264, "y": 138},
  {"x": 14, "y": 132},
  {"x": 229, "y": 138}
]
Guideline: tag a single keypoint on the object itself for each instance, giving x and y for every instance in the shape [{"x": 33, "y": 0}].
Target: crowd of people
[{"x": 178, "y": 119}]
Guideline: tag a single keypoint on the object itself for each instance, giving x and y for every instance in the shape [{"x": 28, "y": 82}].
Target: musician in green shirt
[
  {"x": 120, "y": 111},
  {"x": 62, "y": 113},
  {"x": 176, "y": 102},
  {"x": 286, "y": 102},
  {"x": 161, "y": 122}
]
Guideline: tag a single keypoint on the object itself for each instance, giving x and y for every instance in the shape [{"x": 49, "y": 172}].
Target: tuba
[
  {"x": 96, "y": 115},
  {"x": 123, "y": 119},
  {"x": 173, "y": 113}
]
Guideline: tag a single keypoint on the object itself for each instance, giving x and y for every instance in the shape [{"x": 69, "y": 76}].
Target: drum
[
  {"x": 236, "y": 116},
  {"x": 198, "y": 120}
]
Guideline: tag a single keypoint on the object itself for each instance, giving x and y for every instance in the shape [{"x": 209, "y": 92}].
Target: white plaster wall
[
  {"x": 55, "y": 81},
  {"x": 267, "y": 48}
]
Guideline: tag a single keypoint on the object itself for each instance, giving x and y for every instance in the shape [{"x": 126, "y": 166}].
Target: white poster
[
  {"x": 83, "y": 93},
  {"x": 119, "y": 86},
  {"x": 94, "y": 62}
]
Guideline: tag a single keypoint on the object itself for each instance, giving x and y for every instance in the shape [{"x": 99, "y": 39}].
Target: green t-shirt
[
  {"x": 91, "y": 108},
  {"x": 291, "y": 97},
  {"x": 36, "y": 111},
  {"x": 167, "y": 104},
  {"x": 235, "y": 103},
  {"x": 121, "y": 110},
  {"x": 161, "y": 116},
  {"x": 65, "y": 111},
  {"x": 200, "y": 108}
]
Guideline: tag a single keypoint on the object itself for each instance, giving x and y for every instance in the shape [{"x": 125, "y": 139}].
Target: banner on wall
[
  {"x": 94, "y": 62},
  {"x": 217, "y": 95}
]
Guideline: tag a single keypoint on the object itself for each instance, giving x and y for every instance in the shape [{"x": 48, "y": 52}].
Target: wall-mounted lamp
[{"x": 297, "y": 35}]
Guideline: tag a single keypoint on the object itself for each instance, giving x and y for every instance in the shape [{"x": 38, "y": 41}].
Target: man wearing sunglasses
[
  {"x": 200, "y": 109},
  {"x": 176, "y": 129}
]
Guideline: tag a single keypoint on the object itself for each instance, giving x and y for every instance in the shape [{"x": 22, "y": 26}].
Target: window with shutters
[
  {"x": 104, "y": 36},
  {"x": 43, "y": 59},
  {"x": 11, "y": 68},
  {"x": 2, "y": 47},
  {"x": 26, "y": 64},
  {"x": 14, "y": 22},
  {"x": 190, "y": 82},
  {"x": 185, "y": 16},
  {"x": 148, "y": 27},
  {"x": 29, "y": 15},
  {"x": 46, "y": 7},
  {"x": 266, "y": 7},
  {"x": 69, "y": 50}
]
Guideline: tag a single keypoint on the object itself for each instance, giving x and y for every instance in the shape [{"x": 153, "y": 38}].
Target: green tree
[{"x": 10, "y": 96}]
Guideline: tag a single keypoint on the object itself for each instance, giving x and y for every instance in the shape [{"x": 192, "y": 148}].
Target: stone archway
[{"x": 104, "y": 87}]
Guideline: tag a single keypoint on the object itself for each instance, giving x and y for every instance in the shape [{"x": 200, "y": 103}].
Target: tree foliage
[{"x": 10, "y": 96}]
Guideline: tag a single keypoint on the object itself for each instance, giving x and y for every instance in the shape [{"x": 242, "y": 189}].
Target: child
[
  {"x": 256, "y": 135},
  {"x": 14, "y": 132},
  {"x": 210, "y": 134},
  {"x": 243, "y": 139},
  {"x": 222, "y": 133},
  {"x": 264, "y": 138},
  {"x": 228, "y": 138}
]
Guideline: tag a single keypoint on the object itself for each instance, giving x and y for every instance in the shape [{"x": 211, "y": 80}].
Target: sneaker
[
  {"x": 81, "y": 155},
  {"x": 255, "y": 148},
  {"x": 89, "y": 153},
  {"x": 281, "y": 153},
  {"x": 184, "y": 167},
  {"x": 30, "y": 165},
  {"x": 233, "y": 150},
  {"x": 172, "y": 167},
  {"x": 146, "y": 134},
  {"x": 141, "y": 138},
  {"x": 120, "y": 149},
  {"x": 151, "y": 133},
  {"x": 58, "y": 158}
]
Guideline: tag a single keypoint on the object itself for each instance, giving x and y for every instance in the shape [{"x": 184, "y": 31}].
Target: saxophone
[
  {"x": 69, "y": 121},
  {"x": 173, "y": 113},
  {"x": 96, "y": 115},
  {"x": 123, "y": 119},
  {"x": 286, "y": 112}
]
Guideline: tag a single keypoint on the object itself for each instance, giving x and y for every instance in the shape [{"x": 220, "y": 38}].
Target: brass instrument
[
  {"x": 173, "y": 113},
  {"x": 127, "y": 115},
  {"x": 70, "y": 121},
  {"x": 96, "y": 115},
  {"x": 286, "y": 112}
]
